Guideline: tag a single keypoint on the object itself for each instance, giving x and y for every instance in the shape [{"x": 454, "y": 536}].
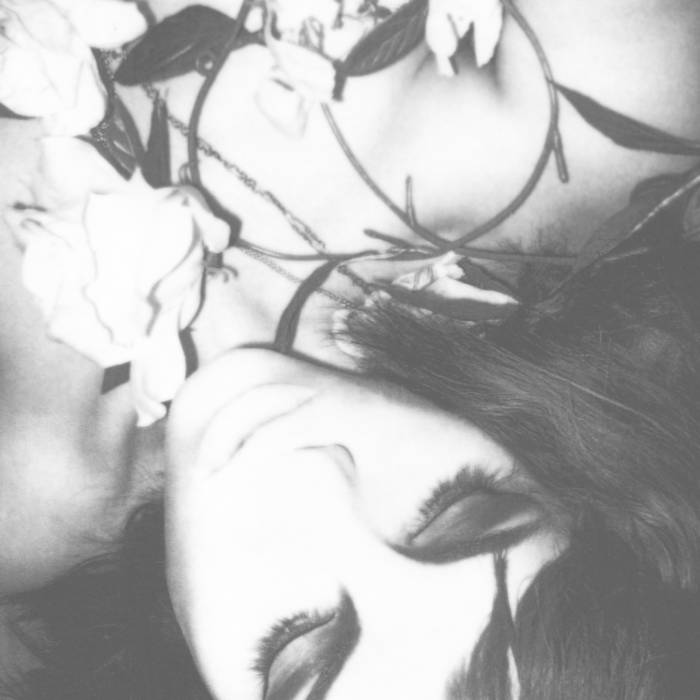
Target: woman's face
[
  {"x": 327, "y": 532},
  {"x": 469, "y": 142}
]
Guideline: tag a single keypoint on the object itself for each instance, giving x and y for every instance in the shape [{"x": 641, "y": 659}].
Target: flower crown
[{"x": 115, "y": 253}]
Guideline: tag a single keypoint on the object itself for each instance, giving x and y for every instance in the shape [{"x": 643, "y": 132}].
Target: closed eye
[
  {"x": 307, "y": 652},
  {"x": 471, "y": 515}
]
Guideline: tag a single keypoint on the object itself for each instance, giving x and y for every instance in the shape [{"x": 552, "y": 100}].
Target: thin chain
[
  {"x": 305, "y": 231},
  {"x": 270, "y": 263},
  {"x": 297, "y": 225}
]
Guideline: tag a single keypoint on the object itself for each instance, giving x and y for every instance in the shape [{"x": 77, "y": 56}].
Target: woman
[
  {"x": 320, "y": 538},
  {"x": 505, "y": 89}
]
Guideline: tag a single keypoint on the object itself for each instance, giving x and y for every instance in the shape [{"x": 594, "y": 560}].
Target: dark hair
[{"x": 596, "y": 391}]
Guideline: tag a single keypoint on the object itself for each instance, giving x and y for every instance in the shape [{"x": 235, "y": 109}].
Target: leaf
[
  {"x": 289, "y": 322},
  {"x": 117, "y": 139},
  {"x": 178, "y": 45},
  {"x": 475, "y": 275},
  {"x": 115, "y": 376},
  {"x": 626, "y": 131},
  {"x": 156, "y": 162},
  {"x": 691, "y": 217},
  {"x": 659, "y": 184},
  {"x": 387, "y": 43},
  {"x": 190, "y": 350},
  {"x": 6, "y": 113},
  {"x": 629, "y": 221}
]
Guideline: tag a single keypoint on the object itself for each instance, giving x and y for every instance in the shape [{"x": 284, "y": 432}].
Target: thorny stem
[
  {"x": 313, "y": 257},
  {"x": 476, "y": 253},
  {"x": 552, "y": 142},
  {"x": 424, "y": 233},
  {"x": 501, "y": 256},
  {"x": 202, "y": 95},
  {"x": 408, "y": 215}
]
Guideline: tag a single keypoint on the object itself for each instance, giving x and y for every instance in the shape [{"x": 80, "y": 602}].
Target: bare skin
[{"x": 69, "y": 474}]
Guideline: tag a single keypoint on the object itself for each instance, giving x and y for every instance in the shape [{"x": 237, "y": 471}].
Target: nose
[
  {"x": 287, "y": 524},
  {"x": 210, "y": 389}
]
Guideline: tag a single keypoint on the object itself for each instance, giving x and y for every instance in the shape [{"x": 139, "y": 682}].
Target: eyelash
[
  {"x": 469, "y": 481},
  {"x": 281, "y": 634}
]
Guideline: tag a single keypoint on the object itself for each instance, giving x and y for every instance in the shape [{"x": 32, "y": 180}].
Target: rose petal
[
  {"x": 158, "y": 370},
  {"x": 450, "y": 288},
  {"x": 285, "y": 108},
  {"x": 214, "y": 232},
  {"x": 85, "y": 103},
  {"x": 487, "y": 32},
  {"x": 56, "y": 185},
  {"x": 117, "y": 268},
  {"x": 45, "y": 258},
  {"x": 47, "y": 70},
  {"x": 442, "y": 39},
  {"x": 449, "y": 20},
  {"x": 105, "y": 24}
]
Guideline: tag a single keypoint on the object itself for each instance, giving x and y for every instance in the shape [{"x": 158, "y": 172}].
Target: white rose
[
  {"x": 449, "y": 20},
  {"x": 47, "y": 69},
  {"x": 116, "y": 267},
  {"x": 299, "y": 79},
  {"x": 308, "y": 36}
]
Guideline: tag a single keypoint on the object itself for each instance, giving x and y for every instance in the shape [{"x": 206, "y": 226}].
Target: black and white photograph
[{"x": 350, "y": 350}]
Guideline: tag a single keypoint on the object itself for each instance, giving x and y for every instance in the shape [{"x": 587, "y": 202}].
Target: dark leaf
[
  {"x": 115, "y": 376},
  {"x": 691, "y": 217},
  {"x": 477, "y": 276},
  {"x": 6, "y": 113},
  {"x": 117, "y": 139},
  {"x": 659, "y": 184},
  {"x": 156, "y": 163},
  {"x": 459, "y": 309},
  {"x": 626, "y": 131},
  {"x": 388, "y": 42},
  {"x": 626, "y": 223},
  {"x": 190, "y": 350},
  {"x": 289, "y": 322},
  {"x": 179, "y": 45}
]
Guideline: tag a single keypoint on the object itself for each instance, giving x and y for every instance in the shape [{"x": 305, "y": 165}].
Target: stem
[
  {"x": 341, "y": 257},
  {"x": 481, "y": 254},
  {"x": 552, "y": 141},
  {"x": 421, "y": 231},
  {"x": 552, "y": 144},
  {"x": 198, "y": 108},
  {"x": 478, "y": 253}
]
